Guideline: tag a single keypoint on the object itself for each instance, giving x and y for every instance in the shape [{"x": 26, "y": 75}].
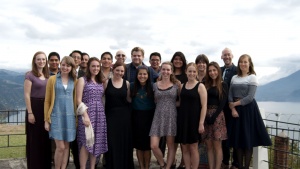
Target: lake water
[{"x": 283, "y": 111}]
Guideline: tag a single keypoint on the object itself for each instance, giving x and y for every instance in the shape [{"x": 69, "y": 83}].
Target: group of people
[{"x": 94, "y": 106}]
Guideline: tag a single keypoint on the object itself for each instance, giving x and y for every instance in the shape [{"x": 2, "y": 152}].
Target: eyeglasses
[
  {"x": 154, "y": 60},
  {"x": 76, "y": 57},
  {"x": 119, "y": 55}
]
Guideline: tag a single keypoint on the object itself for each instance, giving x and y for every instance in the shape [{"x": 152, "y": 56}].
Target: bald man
[
  {"x": 228, "y": 70},
  {"x": 120, "y": 55}
]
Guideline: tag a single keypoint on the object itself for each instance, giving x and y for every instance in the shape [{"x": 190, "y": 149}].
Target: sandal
[
  {"x": 173, "y": 166},
  {"x": 164, "y": 166}
]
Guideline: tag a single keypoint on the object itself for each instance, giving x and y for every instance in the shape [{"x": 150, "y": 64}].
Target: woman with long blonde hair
[{"x": 59, "y": 109}]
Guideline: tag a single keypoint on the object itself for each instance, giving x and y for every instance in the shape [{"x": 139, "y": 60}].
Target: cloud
[{"x": 267, "y": 30}]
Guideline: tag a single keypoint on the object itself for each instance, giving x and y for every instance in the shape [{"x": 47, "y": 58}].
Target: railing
[
  {"x": 285, "y": 150},
  {"x": 9, "y": 118}
]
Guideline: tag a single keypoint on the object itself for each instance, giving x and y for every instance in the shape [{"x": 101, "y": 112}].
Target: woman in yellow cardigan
[{"x": 59, "y": 109}]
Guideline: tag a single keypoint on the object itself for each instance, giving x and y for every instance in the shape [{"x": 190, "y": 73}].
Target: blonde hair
[{"x": 70, "y": 61}]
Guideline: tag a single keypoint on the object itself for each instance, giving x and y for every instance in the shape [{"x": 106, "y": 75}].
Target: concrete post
[{"x": 260, "y": 153}]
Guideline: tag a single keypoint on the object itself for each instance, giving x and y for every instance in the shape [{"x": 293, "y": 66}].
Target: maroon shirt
[{"x": 38, "y": 88}]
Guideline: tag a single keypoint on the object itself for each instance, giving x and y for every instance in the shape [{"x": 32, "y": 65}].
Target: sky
[{"x": 267, "y": 30}]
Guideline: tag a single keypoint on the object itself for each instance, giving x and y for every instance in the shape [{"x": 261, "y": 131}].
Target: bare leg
[
  {"x": 185, "y": 148},
  {"x": 66, "y": 155},
  {"x": 194, "y": 155},
  {"x": 140, "y": 157},
  {"x": 147, "y": 158},
  {"x": 182, "y": 164},
  {"x": 156, "y": 151},
  {"x": 175, "y": 148},
  {"x": 92, "y": 161},
  {"x": 218, "y": 153},
  {"x": 171, "y": 151},
  {"x": 83, "y": 156},
  {"x": 59, "y": 153},
  {"x": 210, "y": 154}
]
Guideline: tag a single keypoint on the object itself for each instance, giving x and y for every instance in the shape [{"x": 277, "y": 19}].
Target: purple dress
[{"x": 92, "y": 98}]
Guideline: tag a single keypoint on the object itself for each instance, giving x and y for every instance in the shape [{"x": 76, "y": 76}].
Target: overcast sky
[{"x": 269, "y": 31}]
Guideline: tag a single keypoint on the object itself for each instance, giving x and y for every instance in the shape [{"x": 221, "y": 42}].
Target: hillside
[
  {"x": 286, "y": 89},
  {"x": 283, "y": 90},
  {"x": 11, "y": 93}
]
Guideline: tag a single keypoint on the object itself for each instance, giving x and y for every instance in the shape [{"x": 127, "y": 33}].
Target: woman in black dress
[
  {"x": 118, "y": 116},
  {"x": 179, "y": 62},
  {"x": 191, "y": 115}
]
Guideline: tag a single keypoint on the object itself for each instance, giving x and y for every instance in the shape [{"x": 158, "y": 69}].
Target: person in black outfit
[
  {"x": 228, "y": 70},
  {"x": 77, "y": 56}
]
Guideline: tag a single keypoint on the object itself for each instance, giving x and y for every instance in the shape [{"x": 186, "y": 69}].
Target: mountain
[
  {"x": 286, "y": 89},
  {"x": 11, "y": 93}
]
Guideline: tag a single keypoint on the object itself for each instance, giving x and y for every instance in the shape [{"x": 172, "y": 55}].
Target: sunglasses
[{"x": 119, "y": 55}]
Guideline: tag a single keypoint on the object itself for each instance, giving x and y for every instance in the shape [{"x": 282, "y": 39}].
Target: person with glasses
[
  {"x": 154, "y": 61},
  {"x": 228, "y": 71},
  {"x": 120, "y": 55},
  {"x": 77, "y": 56},
  {"x": 84, "y": 61}
]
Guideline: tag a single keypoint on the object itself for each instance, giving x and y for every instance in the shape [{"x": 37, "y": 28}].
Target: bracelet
[{"x": 30, "y": 113}]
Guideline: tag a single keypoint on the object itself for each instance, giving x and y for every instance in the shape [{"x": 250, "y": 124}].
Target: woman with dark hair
[
  {"x": 59, "y": 109},
  {"x": 89, "y": 92},
  {"x": 245, "y": 113},
  {"x": 106, "y": 64},
  {"x": 191, "y": 115},
  {"x": 38, "y": 144},
  {"x": 164, "y": 121},
  {"x": 143, "y": 110},
  {"x": 215, "y": 126},
  {"x": 179, "y": 62},
  {"x": 202, "y": 63},
  {"x": 118, "y": 117}
]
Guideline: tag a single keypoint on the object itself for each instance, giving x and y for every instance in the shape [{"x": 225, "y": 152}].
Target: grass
[{"x": 9, "y": 144}]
